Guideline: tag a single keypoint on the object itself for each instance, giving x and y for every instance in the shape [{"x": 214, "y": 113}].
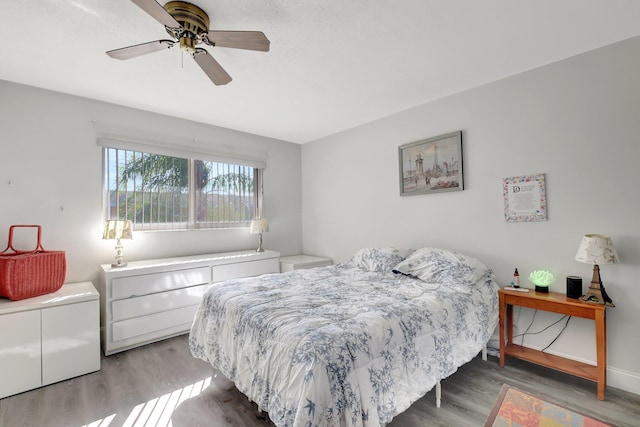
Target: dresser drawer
[
  {"x": 163, "y": 301},
  {"x": 129, "y": 328},
  {"x": 125, "y": 287},
  {"x": 245, "y": 269}
]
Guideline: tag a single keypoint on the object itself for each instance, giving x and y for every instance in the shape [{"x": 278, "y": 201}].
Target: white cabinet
[
  {"x": 297, "y": 262},
  {"x": 151, "y": 300},
  {"x": 49, "y": 338}
]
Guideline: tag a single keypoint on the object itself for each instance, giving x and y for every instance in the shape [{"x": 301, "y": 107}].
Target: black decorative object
[{"x": 574, "y": 287}]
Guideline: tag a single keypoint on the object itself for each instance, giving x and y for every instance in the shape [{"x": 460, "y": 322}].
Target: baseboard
[{"x": 624, "y": 380}]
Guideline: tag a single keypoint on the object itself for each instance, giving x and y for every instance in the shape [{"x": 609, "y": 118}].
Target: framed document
[{"x": 525, "y": 198}]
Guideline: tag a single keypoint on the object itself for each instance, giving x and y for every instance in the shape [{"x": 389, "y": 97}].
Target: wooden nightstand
[
  {"x": 297, "y": 262},
  {"x": 557, "y": 303}
]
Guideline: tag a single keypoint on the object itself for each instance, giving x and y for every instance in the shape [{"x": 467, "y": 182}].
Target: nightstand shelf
[
  {"x": 556, "y": 303},
  {"x": 559, "y": 363}
]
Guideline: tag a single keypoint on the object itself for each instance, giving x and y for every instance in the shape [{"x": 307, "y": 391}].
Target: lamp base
[
  {"x": 596, "y": 293},
  {"x": 260, "y": 248},
  {"x": 543, "y": 289},
  {"x": 119, "y": 258}
]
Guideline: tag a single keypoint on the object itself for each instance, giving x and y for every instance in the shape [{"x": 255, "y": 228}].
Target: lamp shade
[
  {"x": 259, "y": 226},
  {"x": 117, "y": 229},
  {"x": 597, "y": 249}
]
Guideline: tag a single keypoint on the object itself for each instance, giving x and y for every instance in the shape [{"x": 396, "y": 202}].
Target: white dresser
[
  {"x": 151, "y": 300},
  {"x": 49, "y": 338}
]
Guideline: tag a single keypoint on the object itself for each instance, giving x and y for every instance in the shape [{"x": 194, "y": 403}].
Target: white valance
[{"x": 220, "y": 154}]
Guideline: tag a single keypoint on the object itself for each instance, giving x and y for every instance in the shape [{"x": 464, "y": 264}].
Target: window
[{"x": 161, "y": 192}]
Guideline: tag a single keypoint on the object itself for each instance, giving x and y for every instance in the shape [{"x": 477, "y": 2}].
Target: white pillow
[
  {"x": 441, "y": 266},
  {"x": 379, "y": 259}
]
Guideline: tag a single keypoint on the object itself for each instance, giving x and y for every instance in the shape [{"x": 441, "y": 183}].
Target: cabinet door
[
  {"x": 70, "y": 341},
  {"x": 19, "y": 352}
]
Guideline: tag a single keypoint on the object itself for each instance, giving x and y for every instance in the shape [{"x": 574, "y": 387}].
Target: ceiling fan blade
[
  {"x": 140, "y": 49},
  {"x": 157, "y": 12},
  {"x": 250, "y": 40},
  {"x": 211, "y": 68}
]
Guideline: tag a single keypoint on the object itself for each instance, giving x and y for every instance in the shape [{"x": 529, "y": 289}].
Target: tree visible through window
[{"x": 159, "y": 192}]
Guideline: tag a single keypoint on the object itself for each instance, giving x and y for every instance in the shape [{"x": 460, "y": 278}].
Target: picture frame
[
  {"x": 431, "y": 165},
  {"x": 525, "y": 198}
]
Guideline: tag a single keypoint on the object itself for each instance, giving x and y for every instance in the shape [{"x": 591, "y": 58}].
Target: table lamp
[
  {"x": 597, "y": 249},
  {"x": 259, "y": 226},
  {"x": 116, "y": 229}
]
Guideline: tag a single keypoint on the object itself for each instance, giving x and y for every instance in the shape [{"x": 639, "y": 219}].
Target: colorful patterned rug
[{"x": 515, "y": 408}]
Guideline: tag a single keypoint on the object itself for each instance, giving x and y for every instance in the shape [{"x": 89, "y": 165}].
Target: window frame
[{"x": 191, "y": 222}]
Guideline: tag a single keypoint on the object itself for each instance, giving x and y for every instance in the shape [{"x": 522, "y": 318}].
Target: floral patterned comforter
[{"x": 338, "y": 345}]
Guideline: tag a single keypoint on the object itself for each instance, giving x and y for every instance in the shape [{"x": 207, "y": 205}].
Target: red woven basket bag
[{"x": 26, "y": 274}]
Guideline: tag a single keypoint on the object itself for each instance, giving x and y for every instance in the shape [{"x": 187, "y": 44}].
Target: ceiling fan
[{"x": 189, "y": 26}]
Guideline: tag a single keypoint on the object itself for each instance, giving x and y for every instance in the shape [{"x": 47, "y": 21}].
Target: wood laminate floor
[{"x": 161, "y": 384}]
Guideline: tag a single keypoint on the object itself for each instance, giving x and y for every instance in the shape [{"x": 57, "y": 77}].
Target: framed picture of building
[{"x": 432, "y": 165}]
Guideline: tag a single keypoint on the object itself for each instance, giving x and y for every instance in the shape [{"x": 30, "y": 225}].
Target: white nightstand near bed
[
  {"x": 49, "y": 338},
  {"x": 297, "y": 262}
]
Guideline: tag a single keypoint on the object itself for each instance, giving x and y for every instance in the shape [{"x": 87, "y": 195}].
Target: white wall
[
  {"x": 577, "y": 121},
  {"x": 51, "y": 174}
]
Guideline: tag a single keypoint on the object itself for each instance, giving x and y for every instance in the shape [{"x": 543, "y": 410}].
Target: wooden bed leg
[
  {"x": 484, "y": 353},
  {"x": 438, "y": 394}
]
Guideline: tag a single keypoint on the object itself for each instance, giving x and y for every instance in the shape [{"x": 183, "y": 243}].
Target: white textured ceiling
[{"x": 333, "y": 64}]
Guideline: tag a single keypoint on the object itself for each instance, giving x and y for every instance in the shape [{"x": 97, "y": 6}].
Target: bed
[{"x": 353, "y": 344}]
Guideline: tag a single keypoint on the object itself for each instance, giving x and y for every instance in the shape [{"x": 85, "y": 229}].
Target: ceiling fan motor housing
[{"x": 194, "y": 20}]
